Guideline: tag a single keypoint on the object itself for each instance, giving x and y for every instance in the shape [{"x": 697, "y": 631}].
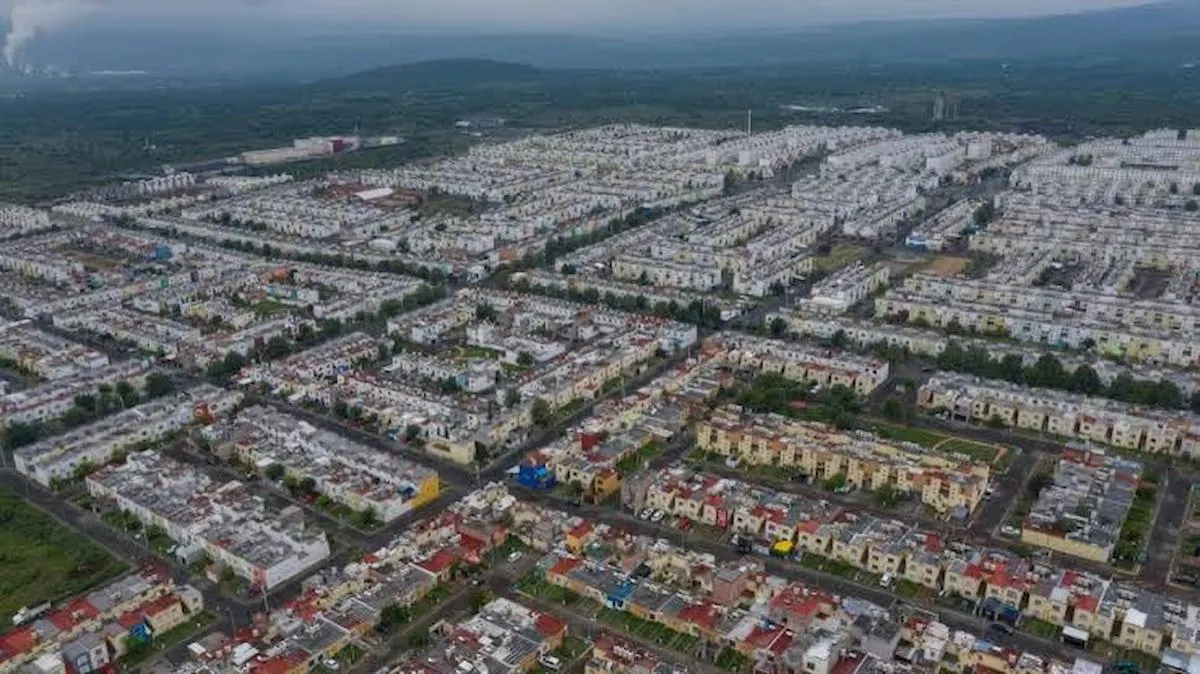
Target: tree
[
  {"x": 274, "y": 472},
  {"x": 368, "y": 518},
  {"x": 952, "y": 357},
  {"x": 512, "y": 398},
  {"x": 839, "y": 339},
  {"x": 392, "y": 617},
  {"x": 419, "y": 640},
  {"x": 1048, "y": 372},
  {"x": 1191, "y": 205},
  {"x": 411, "y": 432},
  {"x": 307, "y": 485},
  {"x": 1011, "y": 368},
  {"x": 19, "y": 434},
  {"x": 481, "y": 598},
  {"x": 525, "y": 359},
  {"x": 290, "y": 483},
  {"x": 835, "y": 482},
  {"x": 541, "y": 412},
  {"x": 277, "y": 347},
  {"x": 893, "y": 408},
  {"x": 159, "y": 385},
  {"x": 995, "y": 421},
  {"x": 484, "y": 312},
  {"x": 1085, "y": 380},
  {"x": 887, "y": 496},
  {"x": 778, "y": 327},
  {"x": 576, "y": 488},
  {"x": 127, "y": 394}
]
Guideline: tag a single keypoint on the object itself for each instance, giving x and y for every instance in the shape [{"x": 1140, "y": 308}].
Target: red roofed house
[
  {"x": 698, "y": 620},
  {"x": 552, "y": 629},
  {"x": 440, "y": 564},
  {"x": 579, "y": 536},
  {"x": 17, "y": 644}
]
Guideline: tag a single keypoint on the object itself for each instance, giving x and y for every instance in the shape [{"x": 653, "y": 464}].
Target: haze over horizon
[{"x": 29, "y": 19}]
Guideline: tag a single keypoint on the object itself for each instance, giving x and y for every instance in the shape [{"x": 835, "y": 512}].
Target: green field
[
  {"x": 41, "y": 560},
  {"x": 946, "y": 444}
]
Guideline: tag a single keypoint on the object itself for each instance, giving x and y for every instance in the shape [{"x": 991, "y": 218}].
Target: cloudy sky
[{"x": 548, "y": 14}]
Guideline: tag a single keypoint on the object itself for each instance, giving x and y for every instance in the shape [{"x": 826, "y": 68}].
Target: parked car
[
  {"x": 646, "y": 513},
  {"x": 657, "y": 516},
  {"x": 514, "y": 556},
  {"x": 550, "y": 662},
  {"x": 1003, "y": 628}
]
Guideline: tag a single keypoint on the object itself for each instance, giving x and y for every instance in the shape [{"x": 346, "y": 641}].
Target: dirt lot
[{"x": 945, "y": 265}]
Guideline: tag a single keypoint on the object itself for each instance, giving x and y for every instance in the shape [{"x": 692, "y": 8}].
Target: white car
[
  {"x": 1009, "y": 530},
  {"x": 550, "y": 662},
  {"x": 646, "y": 513},
  {"x": 657, "y": 516},
  {"x": 514, "y": 556}
]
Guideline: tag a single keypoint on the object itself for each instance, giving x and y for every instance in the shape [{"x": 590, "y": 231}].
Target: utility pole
[{"x": 749, "y": 123}]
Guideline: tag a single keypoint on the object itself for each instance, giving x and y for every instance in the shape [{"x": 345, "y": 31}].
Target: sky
[
  {"x": 29, "y": 19},
  {"x": 556, "y": 14}
]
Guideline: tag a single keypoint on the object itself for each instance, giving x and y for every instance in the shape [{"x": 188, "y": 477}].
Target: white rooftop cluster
[
  {"x": 1160, "y": 166},
  {"x": 223, "y": 521},
  {"x": 95, "y": 444},
  {"x": 18, "y": 220}
]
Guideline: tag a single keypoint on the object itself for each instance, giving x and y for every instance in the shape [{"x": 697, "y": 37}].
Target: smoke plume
[{"x": 28, "y": 18}]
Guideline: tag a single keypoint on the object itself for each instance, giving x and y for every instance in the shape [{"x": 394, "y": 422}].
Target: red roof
[
  {"x": 1087, "y": 602},
  {"x": 278, "y": 664},
  {"x": 78, "y": 611},
  {"x": 582, "y": 529},
  {"x": 775, "y": 639},
  {"x": 439, "y": 562},
  {"x": 564, "y": 566},
  {"x": 157, "y": 606},
  {"x": 550, "y": 627},
  {"x": 16, "y": 642},
  {"x": 703, "y": 614}
]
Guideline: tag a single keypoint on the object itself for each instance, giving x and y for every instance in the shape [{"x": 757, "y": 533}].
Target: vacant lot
[
  {"x": 947, "y": 265},
  {"x": 840, "y": 256},
  {"x": 41, "y": 560},
  {"x": 941, "y": 442}
]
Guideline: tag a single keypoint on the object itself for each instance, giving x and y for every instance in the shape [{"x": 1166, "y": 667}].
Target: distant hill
[{"x": 1165, "y": 32}]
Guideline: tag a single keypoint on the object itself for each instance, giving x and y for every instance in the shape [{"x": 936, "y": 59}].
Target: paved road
[
  {"x": 586, "y": 627},
  {"x": 1008, "y": 488},
  {"x": 793, "y": 570},
  {"x": 124, "y": 547},
  {"x": 1165, "y": 534}
]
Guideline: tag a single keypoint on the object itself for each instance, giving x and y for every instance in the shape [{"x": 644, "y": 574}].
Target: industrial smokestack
[{"x": 28, "y": 18}]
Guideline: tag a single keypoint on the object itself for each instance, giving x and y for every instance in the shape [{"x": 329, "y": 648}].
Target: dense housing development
[{"x": 626, "y": 399}]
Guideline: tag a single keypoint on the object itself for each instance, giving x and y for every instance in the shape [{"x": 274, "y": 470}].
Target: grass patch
[
  {"x": 41, "y": 560},
  {"x": 184, "y": 633},
  {"x": 839, "y": 256},
  {"x": 1132, "y": 539},
  {"x": 1040, "y": 628},
  {"x": 975, "y": 450},
  {"x": 732, "y": 661},
  {"x": 537, "y": 586},
  {"x": 919, "y": 436}
]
